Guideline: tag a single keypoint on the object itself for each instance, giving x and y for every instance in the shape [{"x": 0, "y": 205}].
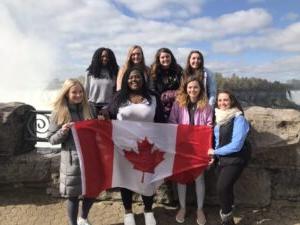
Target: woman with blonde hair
[
  {"x": 191, "y": 107},
  {"x": 71, "y": 105},
  {"x": 135, "y": 57}
]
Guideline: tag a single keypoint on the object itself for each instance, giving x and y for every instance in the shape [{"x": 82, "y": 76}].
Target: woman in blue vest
[{"x": 230, "y": 153}]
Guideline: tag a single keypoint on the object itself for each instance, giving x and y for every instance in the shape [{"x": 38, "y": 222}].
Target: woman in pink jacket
[{"x": 191, "y": 107}]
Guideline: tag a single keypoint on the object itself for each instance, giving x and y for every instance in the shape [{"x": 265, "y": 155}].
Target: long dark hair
[
  {"x": 233, "y": 100},
  {"x": 123, "y": 94},
  {"x": 189, "y": 71},
  {"x": 156, "y": 68},
  {"x": 95, "y": 67}
]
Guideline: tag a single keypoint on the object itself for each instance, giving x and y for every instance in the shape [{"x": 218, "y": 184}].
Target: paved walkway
[{"x": 28, "y": 208}]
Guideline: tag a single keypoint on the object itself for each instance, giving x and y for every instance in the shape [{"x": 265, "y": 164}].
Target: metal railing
[{"x": 37, "y": 125}]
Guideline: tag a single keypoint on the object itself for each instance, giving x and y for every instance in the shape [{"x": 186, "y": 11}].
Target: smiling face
[
  {"x": 104, "y": 58},
  {"x": 135, "y": 81},
  {"x": 136, "y": 56},
  {"x": 165, "y": 59},
  {"x": 75, "y": 94},
  {"x": 223, "y": 101},
  {"x": 193, "y": 90},
  {"x": 195, "y": 61}
]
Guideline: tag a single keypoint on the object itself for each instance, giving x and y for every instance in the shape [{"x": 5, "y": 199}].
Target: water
[
  {"x": 295, "y": 96},
  {"x": 38, "y": 98}
]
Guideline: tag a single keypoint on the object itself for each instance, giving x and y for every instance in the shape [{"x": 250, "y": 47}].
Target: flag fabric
[{"x": 139, "y": 155}]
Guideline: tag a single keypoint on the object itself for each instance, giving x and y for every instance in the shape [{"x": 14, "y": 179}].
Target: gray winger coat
[{"x": 70, "y": 175}]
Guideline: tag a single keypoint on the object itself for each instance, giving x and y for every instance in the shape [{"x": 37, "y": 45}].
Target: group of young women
[{"x": 162, "y": 93}]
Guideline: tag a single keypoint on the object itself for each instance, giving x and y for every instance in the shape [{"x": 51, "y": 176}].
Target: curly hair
[
  {"x": 95, "y": 67},
  {"x": 156, "y": 67},
  {"x": 125, "y": 91},
  {"x": 189, "y": 71},
  {"x": 182, "y": 96}
]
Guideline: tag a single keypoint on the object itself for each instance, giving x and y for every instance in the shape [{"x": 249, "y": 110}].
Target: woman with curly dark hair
[
  {"x": 135, "y": 102},
  {"x": 101, "y": 79},
  {"x": 165, "y": 76}
]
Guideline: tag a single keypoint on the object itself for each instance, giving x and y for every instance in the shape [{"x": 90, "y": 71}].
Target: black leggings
[
  {"x": 227, "y": 177},
  {"x": 73, "y": 205},
  {"x": 127, "y": 200}
]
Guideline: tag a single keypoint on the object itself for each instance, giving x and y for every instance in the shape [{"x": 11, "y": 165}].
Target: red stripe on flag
[
  {"x": 95, "y": 137},
  {"x": 191, "y": 158}
]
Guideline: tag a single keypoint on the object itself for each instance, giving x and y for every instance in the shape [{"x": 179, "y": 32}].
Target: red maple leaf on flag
[{"x": 146, "y": 160}]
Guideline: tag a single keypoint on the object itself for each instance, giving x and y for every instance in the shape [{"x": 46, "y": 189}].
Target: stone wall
[
  {"x": 15, "y": 136},
  {"x": 273, "y": 173}
]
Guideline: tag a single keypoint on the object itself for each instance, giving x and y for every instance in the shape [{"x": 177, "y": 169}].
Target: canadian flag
[{"x": 139, "y": 155}]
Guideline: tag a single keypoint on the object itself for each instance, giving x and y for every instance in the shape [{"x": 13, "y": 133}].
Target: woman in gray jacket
[
  {"x": 195, "y": 67},
  {"x": 70, "y": 106}
]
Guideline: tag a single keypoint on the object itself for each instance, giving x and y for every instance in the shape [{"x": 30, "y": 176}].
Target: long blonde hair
[
  {"x": 128, "y": 62},
  {"x": 60, "y": 104},
  {"x": 182, "y": 96}
]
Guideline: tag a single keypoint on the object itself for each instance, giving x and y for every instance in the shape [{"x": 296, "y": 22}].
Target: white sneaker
[
  {"x": 81, "y": 221},
  {"x": 128, "y": 219},
  {"x": 149, "y": 218}
]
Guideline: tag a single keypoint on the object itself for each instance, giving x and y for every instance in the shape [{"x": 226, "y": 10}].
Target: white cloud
[
  {"x": 168, "y": 9},
  {"x": 240, "y": 22},
  {"x": 61, "y": 35},
  {"x": 282, "y": 40}
]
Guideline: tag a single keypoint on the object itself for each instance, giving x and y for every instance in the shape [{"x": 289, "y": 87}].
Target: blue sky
[{"x": 41, "y": 40}]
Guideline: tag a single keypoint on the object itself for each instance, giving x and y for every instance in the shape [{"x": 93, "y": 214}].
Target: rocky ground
[{"x": 35, "y": 208}]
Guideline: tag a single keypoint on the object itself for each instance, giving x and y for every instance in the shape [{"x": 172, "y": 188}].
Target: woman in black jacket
[{"x": 230, "y": 152}]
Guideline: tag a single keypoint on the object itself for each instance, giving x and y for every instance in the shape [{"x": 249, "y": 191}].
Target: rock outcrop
[{"x": 17, "y": 129}]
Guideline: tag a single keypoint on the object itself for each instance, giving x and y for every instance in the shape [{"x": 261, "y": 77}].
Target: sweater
[
  {"x": 99, "y": 90},
  {"x": 180, "y": 115}
]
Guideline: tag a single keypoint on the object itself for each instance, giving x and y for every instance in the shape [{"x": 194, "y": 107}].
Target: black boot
[{"x": 227, "y": 219}]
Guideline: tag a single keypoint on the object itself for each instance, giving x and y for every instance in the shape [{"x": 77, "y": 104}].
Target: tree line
[{"x": 236, "y": 83}]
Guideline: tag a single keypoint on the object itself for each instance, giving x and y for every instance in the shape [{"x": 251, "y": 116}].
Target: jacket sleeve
[
  {"x": 159, "y": 114},
  {"x": 212, "y": 87},
  {"x": 209, "y": 115},
  {"x": 174, "y": 114},
  {"x": 55, "y": 135},
  {"x": 112, "y": 109},
  {"x": 152, "y": 84},
  {"x": 239, "y": 134}
]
